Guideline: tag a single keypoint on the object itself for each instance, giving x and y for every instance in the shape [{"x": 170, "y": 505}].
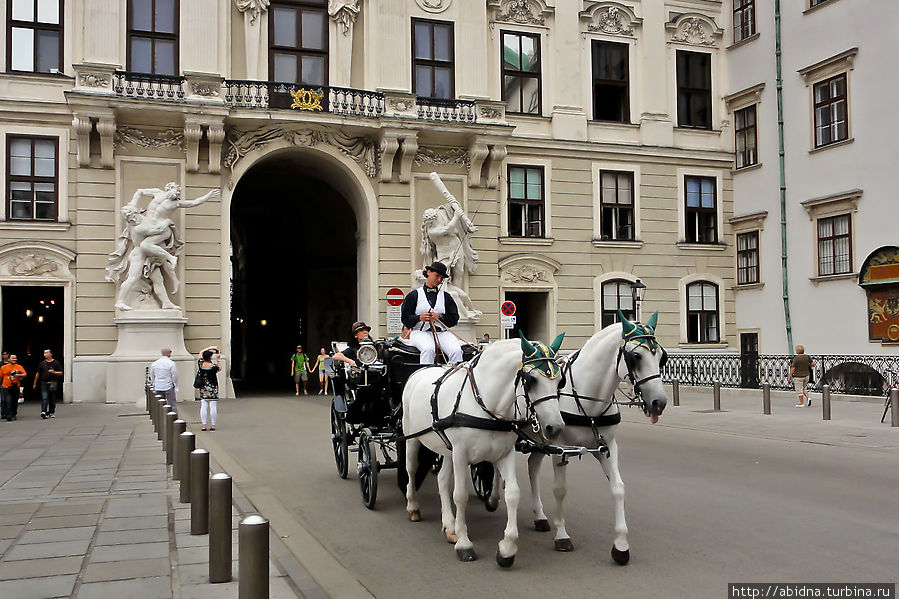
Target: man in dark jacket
[{"x": 429, "y": 312}]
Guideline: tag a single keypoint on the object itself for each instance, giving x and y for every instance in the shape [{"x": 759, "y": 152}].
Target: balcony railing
[
  {"x": 454, "y": 111},
  {"x": 265, "y": 95},
  {"x": 144, "y": 85},
  {"x": 851, "y": 374}
]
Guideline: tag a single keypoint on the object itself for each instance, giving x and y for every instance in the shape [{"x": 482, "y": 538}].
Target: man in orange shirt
[{"x": 11, "y": 375}]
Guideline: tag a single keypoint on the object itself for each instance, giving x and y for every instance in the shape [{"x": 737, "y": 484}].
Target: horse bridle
[
  {"x": 630, "y": 357},
  {"x": 521, "y": 378}
]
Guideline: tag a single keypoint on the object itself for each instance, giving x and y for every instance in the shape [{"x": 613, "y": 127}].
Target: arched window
[
  {"x": 702, "y": 312},
  {"x": 616, "y": 295}
]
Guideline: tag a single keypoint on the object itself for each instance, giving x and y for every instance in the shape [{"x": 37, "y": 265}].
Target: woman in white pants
[{"x": 209, "y": 389}]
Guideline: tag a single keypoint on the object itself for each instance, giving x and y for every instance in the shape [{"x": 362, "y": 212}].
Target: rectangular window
[
  {"x": 702, "y": 313},
  {"x": 526, "y": 201},
  {"x": 433, "y": 62},
  {"x": 744, "y": 19},
  {"x": 617, "y": 295},
  {"x": 34, "y": 33},
  {"x": 33, "y": 178},
  {"x": 298, "y": 42},
  {"x": 521, "y": 72},
  {"x": 745, "y": 140},
  {"x": 816, "y": 2},
  {"x": 610, "y": 82},
  {"x": 834, "y": 245},
  {"x": 701, "y": 211},
  {"x": 616, "y": 201},
  {"x": 694, "y": 90},
  {"x": 831, "y": 111},
  {"x": 748, "y": 258},
  {"x": 153, "y": 36}
]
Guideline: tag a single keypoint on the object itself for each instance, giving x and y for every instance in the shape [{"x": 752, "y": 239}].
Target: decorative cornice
[
  {"x": 253, "y": 8},
  {"x": 611, "y": 18},
  {"x": 433, "y": 5},
  {"x": 744, "y": 97},
  {"x": 694, "y": 29},
  {"x": 169, "y": 138},
  {"x": 521, "y": 12},
  {"x": 829, "y": 66}
]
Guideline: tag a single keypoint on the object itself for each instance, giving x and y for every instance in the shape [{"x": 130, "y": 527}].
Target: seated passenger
[
  {"x": 423, "y": 308},
  {"x": 348, "y": 355}
]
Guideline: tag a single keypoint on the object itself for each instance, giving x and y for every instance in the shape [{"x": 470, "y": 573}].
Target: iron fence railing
[
  {"x": 265, "y": 95},
  {"x": 849, "y": 374},
  {"x": 145, "y": 85},
  {"x": 438, "y": 109}
]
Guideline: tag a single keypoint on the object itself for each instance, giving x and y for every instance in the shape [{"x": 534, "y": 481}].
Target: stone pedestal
[
  {"x": 142, "y": 334},
  {"x": 467, "y": 329}
]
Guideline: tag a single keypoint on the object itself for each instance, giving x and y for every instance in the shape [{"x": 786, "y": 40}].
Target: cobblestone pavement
[{"x": 88, "y": 509}]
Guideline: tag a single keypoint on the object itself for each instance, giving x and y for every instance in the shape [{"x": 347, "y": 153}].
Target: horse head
[
  {"x": 640, "y": 360},
  {"x": 540, "y": 377}
]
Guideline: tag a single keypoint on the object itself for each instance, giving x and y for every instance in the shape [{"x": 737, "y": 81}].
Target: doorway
[
  {"x": 293, "y": 246},
  {"x": 749, "y": 360},
  {"x": 32, "y": 322},
  {"x": 531, "y": 315}
]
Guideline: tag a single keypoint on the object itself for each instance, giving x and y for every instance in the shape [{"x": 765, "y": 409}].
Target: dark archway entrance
[
  {"x": 32, "y": 322},
  {"x": 293, "y": 240}
]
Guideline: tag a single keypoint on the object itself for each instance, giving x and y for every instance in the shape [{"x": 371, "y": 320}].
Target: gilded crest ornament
[{"x": 307, "y": 99}]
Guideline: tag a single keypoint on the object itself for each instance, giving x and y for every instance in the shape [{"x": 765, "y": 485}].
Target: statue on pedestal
[
  {"x": 149, "y": 246},
  {"x": 445, "y": 237}
]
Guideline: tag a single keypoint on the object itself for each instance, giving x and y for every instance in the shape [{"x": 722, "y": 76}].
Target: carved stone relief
[
  {"x": 612, "y": 20},
  {"x": 692, "y": 30},
  {"x": 344, "y": 13},
  {"x": 207, "y": 90},
  {"x": 526, "y": 273},
  {"x": 31, "y": 265},
  {"x": 93, "y": 79},
  {"x": 490, "y": 112},
  {"x": 520, "y": 11},
  {"x": 434, "y": 5},
  {"x": 35, "y": 260},
  {"x": 442, "y": 157},
  {"x": 252, "y": 8},
  {"x": 170, "y": 138}
]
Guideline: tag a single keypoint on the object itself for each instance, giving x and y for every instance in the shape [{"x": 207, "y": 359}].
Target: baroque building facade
[{"x": 587, "y": 140}]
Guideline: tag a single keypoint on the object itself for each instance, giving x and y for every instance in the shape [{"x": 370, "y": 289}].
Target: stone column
[
  {"x": 102, "y": 30},
  {"x": 343, "y": 16},
  {"x": 255, "y": 35}
]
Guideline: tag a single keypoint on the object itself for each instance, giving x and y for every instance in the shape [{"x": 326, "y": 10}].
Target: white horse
[
  {"x": 622, "y": 351},
  {"x": 470, "y": 414}
]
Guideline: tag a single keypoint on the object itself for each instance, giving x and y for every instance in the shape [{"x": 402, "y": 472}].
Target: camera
[{"x": 216, "y": 351}]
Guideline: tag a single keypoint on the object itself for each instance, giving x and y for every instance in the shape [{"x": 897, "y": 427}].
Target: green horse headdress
[
  {"x": 641, "y": 333},
  {"x": 539, "y": 356}
]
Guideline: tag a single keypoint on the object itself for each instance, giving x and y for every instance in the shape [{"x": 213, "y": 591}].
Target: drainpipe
[{"x": 783, "y": 179}]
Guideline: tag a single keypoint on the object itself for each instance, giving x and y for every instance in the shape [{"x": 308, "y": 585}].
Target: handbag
[{"x": 198, "y": 380}]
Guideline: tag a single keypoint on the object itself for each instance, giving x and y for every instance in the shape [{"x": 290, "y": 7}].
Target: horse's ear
[
  {"x": 526, "y": 347},
  {"x": 626, "y": 326},
  {"x": 653, "y": 320},
  {"x": 557, "y": 343}
]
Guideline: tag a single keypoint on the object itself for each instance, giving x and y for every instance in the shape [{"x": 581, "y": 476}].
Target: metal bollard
[
  {"x": 160, "y": 417},
  {"x": 178, "y": 427},
  {"x": 220, "y": 528},
  {"x": 675, "y": 391},
  {"x": 252, "y": 573},
  {"x": 894, "y": 407},
  {"x": 168, "y": 443},
  {"x": 825, "y": 401},
  {"x": 766, "y": 398},
  {"x": 199, "y": 492},
  {"x": 186, "y": 444},
  {"x": 716, "y": 395}
]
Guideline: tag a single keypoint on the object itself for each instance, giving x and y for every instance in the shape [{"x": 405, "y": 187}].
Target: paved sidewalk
[{"x": 88, "y": 509}]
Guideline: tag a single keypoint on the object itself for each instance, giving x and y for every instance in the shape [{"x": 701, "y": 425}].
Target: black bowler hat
[
  {"x": 438, "y": 267},
  {"x": 360, "y": 326}
]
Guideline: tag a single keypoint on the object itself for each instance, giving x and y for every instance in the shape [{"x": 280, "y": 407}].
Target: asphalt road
[{"x": 704, "y": 508}]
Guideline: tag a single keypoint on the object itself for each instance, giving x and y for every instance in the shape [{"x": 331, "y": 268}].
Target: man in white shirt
[{"x": 164, "y": 375}]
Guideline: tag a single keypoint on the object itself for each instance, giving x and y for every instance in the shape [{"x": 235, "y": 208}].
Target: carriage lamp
[
  {"x": 367, "y": 353},
  {"x": 638, "y": 290}
]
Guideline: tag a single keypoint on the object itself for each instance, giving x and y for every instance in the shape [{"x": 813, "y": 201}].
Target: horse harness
[{"x": 495, "y": 422}]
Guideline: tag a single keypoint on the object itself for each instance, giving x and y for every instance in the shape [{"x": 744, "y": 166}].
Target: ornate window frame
[
  {"x": 839, "y": 64},
  {"x": 699, "y": 33},
  {"x": 845, "y": 202},
  {"x": 748, "y": 223},
  {"x": 62, "y": 221},
  {"x": 532, "y": 272},
  {"x": 597, "y": 167},
  {"x": 503, "y": 189},
  {"x": 750, "y": 96},
  {"x": 515, "y": 13}
]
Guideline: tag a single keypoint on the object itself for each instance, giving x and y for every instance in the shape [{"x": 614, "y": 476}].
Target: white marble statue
[
  {"x": 446, "y": 237},
  {"x": 148, "y": 247}
]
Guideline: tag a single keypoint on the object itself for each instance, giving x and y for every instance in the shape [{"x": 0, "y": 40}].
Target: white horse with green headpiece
[{"x": 625, "y": 351}]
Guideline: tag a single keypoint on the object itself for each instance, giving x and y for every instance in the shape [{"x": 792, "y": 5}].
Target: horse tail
[{"x": 402, "y": 477}]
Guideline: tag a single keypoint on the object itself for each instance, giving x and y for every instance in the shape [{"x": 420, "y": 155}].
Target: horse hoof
[
  {"x": 451, "y": 536},
  {"x": 504, "y": 562},
  {"x": 541, "y": 525},
  {"x": 564, "y": 545},
  {"x": 466, "y": 555},
  {"x": 414, "y": 516},
  {"x": 621, "y": 557}
]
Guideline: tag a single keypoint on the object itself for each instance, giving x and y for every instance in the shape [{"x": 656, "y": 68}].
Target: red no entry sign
[
  {"x": 507, "y": 308},
  {"x": 395, "y": 296}
]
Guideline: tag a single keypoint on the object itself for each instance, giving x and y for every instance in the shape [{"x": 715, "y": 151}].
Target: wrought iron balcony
[
  {"x": 453, "y": 111},
  {"x": 266, "y": 95},
  {"x": 145, "y": 85}
]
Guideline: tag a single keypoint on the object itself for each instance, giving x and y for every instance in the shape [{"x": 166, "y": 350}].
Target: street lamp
[{"x": 638, "y": 290}]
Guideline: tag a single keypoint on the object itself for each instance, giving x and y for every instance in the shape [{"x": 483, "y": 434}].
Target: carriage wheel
[
  {"x": 482, "y": 479},
  {"x": 339, "y": 442},
  {"x": 368, "y": 470}
]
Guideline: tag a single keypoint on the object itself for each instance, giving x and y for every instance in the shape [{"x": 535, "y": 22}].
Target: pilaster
[
  {"x": 390, "y": 143},
  {"x": 83, "y": 127},
  {"x": 478, "y": 151},
  {"x": 193, "y": 132},
  {"x": 409, "y": 148},
  {"x": 106, "y": 128},
  {"x": 216, "y": 135},
  {"x": 497, "y": 156}
]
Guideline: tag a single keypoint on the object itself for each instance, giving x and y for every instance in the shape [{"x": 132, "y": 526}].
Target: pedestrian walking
[
  {"x": 11, "y": 375},
  {"x": 4, "y": 360},
  {"x": 49, "y": 376},
  {"x": 164, "y": 374},
  {"x": 800, "y": 371},
  {"x": 208, "y": 364},
  {"x": 322, "y": 371},
  {"x": 298, "y": 363}
]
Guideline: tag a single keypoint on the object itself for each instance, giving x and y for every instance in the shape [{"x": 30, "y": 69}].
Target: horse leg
[
  {"x": 560, "y": 489},
  {"x": 444, "y": 480},
  {"x": 620, "y": 548},
  {"x": 412, "y": 506},
  {"x": 508, "y": 547},
  {"x": 492, "y": 502},
  {"x": 464, "y": 547},
  {"x": 535, "y": 460}
]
